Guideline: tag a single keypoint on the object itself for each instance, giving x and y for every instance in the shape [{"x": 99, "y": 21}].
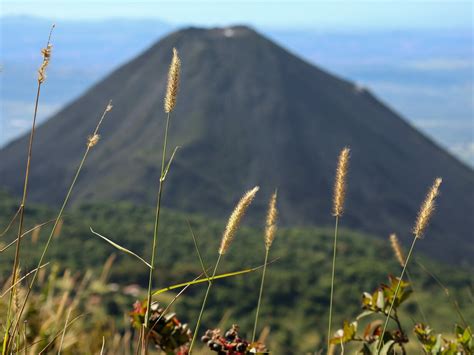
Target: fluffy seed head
[
  {"x": 270, "y": 224},
  {"x": 427, "y": 209},
  {"x": 235, "y": 218},
  {"x": 397, "y": 249},
  {"x": 340, "y": 183},
  {"x": 93, "y": 140},
  {"x": 109, "y": 106},
  {"x": 46, "y": 52},
  {"x": 59, "y": 227},
  {"x": 173, "y": 82},
  {"x": 35, "y": 234}
]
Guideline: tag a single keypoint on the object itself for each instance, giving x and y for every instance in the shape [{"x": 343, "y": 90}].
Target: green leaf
[
  {"x": 386, "y": 348},
  {"x": 364, "y": 314},
  {"x": 206, "y": 279},
  {"x": 121, "y": 248},
  {"x": 346, "y": 334}
]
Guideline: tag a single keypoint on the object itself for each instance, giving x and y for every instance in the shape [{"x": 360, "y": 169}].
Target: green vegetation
[
  {"x": 296, "y": 286},
  {"x": 96, "y": 275}
]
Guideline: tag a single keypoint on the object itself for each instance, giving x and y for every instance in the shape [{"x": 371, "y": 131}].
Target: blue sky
[{"x": 332, "y": 14}]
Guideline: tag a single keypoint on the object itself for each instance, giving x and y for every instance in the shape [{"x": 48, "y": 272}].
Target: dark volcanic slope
[{"x": 249, "y": 113}]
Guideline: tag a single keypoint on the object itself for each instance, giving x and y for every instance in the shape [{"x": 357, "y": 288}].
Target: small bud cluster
[
  {"x": 166, "y": 331},
  {"x": 231, "y": 342}
]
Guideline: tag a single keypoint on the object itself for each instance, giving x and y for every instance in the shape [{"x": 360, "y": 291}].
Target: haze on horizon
[{"x": 319, "y": 14}]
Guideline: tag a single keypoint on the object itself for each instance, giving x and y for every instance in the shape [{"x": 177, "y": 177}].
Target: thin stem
[
  {"x": 446, "y": 291},
  {"x": 175, "y": 298},
  {"x": 157, "y": 222},
  {"x": 197, "y": 250},
  {"x": 196, "y": 331},
  {"x": 396, "y": 294},
  {"x": 16, "y": 259},
  {"x": 332, "y": 278},
  {"x": 56, "y": 223},
  {"x": 260, "y": 295},
  {"x": 7, "y": 228},
  {"x": 416, "y": 297}
]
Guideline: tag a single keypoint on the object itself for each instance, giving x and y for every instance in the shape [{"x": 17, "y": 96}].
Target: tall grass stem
[
  {"x": 267, "y": 251},
  {"x": 157, "y": 222},
  {"x": 415, "y": 295},
  {"x": 396, "y": 294},
  {"x": 56, "y": 223},
  {"x": 336, "y": 224},
  {"x": 16, "y": 259},
  {"x": 198, "y": 323}
]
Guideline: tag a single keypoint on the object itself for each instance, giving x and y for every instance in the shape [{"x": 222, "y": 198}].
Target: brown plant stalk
[{"x": 46, "y": 52}]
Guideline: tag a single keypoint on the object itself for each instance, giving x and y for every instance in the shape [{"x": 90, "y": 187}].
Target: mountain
[{"x": 249, "y": 112}]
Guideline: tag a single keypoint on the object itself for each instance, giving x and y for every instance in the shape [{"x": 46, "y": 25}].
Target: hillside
[
  {"x": 249, "y": 112},
  {"x": 297, "y": 287}
]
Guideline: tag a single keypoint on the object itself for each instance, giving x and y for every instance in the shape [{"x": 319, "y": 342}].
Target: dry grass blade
[
  {"x": 446, "y": 291},
  {"x": 197, "y": 250},
  {"x": 6, "y": 342},
  {"x": 7, "y": 228},
  {"x": 64, "y": 331},
  {"x": 41, "y": 77},
  {"x": 121, "y": 248},
  {"x": 25, "y": 233},
  {"x": 59, "y": 333},
  {"x": 21, "y": 279},
  {"x": 163, "y": 178},
  {"x": 103, "y": 345}
]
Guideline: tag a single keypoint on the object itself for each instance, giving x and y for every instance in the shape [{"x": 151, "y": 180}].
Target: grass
[{"x": 54, "y": 309}]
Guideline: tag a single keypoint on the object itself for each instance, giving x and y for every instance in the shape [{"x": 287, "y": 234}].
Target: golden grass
[
  {"x": 173, "y": 82},
  {"x": 341, "y": 182},
  {"x": 235, "y": 219}
]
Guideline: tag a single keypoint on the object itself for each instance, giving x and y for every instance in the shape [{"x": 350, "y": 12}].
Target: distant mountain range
[
  {"x": 425, "y": 74},
  {"x": 248, "y": 113}
]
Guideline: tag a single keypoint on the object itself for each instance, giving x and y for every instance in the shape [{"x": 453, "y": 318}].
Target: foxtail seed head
[
  {"x": 93, "y": 140},
  {"x": 109, "y": 106},
  {"x": 173, "y": 82},
  {"x": 427, "y": 209},
  {"x": 341, "y": 182},
  {"x": 235, "y": 218},
  {"x": 397, "y": 249},
  {"x": 271, "y": 222},
  {"x": 46, "y": 52}
]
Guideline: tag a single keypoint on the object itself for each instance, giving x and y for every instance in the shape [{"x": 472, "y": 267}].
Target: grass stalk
[
  {"x": 395, "y": 294},
  {"x": 267, "y": 251},
  {"x": 336, "y": 224},
  {"x": 448, "y": 294},
  {"x": 415, "y": 295},
  {"x": 21, "y": 210},
  {"x": 198, "y": 323},
  {"x": 56, "y": 222},
  {"x": 157, "y": 222}
]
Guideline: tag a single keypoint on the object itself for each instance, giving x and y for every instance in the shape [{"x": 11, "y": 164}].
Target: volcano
[{"x": 249, "y": 113}]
